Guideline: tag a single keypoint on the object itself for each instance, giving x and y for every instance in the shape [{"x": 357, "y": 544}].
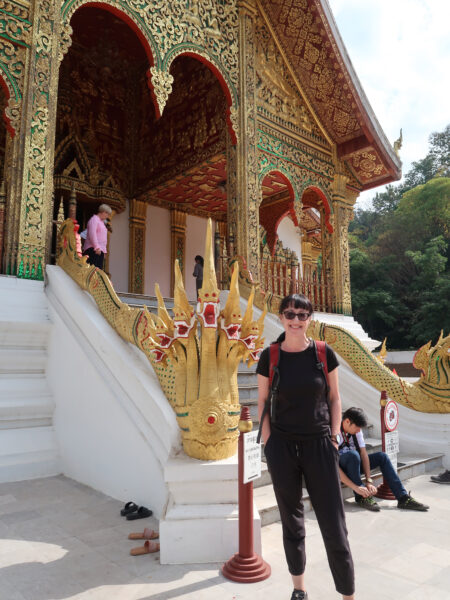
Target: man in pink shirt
[{"x": 97, "y": 237}]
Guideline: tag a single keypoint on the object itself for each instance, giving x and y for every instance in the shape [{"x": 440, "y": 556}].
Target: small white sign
[
  {"x": 252, "y": 457},
  {"x": 391, "y": 442},
  {"x": 392, "y": 446}
]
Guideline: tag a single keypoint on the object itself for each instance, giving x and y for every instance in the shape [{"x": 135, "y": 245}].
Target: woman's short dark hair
[
  {"x": 199, "y": 259},
  {"x": 296, "y": 301},
  {"x": 355, "y": 415}
]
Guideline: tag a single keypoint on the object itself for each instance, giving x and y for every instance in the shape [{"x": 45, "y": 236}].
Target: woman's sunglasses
[{"x": 290, "y": 315}]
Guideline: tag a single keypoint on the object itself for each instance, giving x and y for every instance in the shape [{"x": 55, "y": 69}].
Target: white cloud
[{"x": 401, "y": 53}]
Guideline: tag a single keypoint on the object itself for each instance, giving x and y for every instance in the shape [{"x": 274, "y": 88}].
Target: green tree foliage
[{"x": 400, "y": 254}]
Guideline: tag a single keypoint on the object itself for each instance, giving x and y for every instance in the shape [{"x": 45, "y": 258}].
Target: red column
[{"x": 245, "y": 566}]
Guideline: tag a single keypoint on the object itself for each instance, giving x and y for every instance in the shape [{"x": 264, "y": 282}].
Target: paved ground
[{"x": 62, "y": 540}]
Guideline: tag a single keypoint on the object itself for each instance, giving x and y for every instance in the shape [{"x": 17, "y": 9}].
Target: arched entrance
[
  {"x": 291, "y": 239},
  {"x": 316, "y": 228},
  {"x": 280, "y": 255},
  {"x": 163, "y": 176},
  {"x": 97, "y": 126}
]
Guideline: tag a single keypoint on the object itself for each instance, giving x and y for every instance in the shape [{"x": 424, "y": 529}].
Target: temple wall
[
  {"x": 289, "y": 237},
  {"x": 158, "y": 265},
  {"x": 157, "y": 251}
]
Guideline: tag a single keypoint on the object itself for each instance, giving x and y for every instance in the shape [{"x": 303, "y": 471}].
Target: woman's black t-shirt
[{"x": 302, "y": 408}]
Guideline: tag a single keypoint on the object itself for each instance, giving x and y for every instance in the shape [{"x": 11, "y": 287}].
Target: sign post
[
  {"x": 246, "y": 566},
  {"x": 389, "y": 436}
]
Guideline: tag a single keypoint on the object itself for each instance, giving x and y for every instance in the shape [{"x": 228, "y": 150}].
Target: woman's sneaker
[
  {"x": 299, "y": 595},
  {"x": 368, "y": 503},
  {"x": 442, "y": 478},
  {"x": 409, "y": 503}
]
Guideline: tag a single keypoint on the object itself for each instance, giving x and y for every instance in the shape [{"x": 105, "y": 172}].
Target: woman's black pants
[
  {"x": 317, "y": 460},
  {"x": 94, "y": 259}
]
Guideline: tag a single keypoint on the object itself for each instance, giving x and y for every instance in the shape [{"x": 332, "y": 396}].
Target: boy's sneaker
[
  {"x": 409, "y": 503},
  {"x": 299, "y": 595},
  {"x": 368, "y": 503},
  {"x": 442, "y": 478}
]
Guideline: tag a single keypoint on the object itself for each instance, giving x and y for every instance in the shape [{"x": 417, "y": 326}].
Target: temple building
[
  {"x": 232, "y": 129},
  {"x": 245, "y": 111}
]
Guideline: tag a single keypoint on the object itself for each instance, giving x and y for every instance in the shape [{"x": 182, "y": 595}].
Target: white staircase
[{"x": 27, "y": 439}]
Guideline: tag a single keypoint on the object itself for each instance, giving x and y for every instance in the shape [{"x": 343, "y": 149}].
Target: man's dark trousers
[{"x": 350, "y": 463}]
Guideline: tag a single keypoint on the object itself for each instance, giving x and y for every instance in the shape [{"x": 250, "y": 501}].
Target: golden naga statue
[
  {"x": 195, "y": 354},
  {"x": 430, "y": 394}
]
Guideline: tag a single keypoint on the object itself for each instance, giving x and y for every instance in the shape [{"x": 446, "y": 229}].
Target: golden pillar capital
[{"x": 339, "y": 185}]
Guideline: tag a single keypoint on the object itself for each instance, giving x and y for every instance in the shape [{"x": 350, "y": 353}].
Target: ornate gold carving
[
  {"x": 162, "y": 86},
  {"x": 65, "y": 41},
  {"x": 37, "y": 197},
  {"x": 14, "y": 23},
  {"x": 280, "y": 146},
  {"x": 368, "y": 165},
  {"x": 178, "y": 243},
  {"x": 12, "y": 58},
  {"x": 431, "y": 394},
  {"x": 278, "y": 97},
  {"x": 248, "y": 189},
  {"x": 207, "y": 28},
  {"x": 198, "y": 373},
  {"x": 136, "y": 260}
]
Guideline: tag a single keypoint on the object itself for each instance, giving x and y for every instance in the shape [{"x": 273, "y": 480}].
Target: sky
[{"x": 400, "y": 50}]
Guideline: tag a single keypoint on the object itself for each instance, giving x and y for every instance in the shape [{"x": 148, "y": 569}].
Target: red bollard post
[
  {"x": 245, "y": 566},
  {"x": 384, "y": 491}
]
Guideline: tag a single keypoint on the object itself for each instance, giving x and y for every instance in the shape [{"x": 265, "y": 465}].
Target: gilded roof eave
[{"x": 307, "y": 32}]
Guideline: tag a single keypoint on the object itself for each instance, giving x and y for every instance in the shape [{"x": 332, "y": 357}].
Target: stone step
[
  {"x": 27, "y": 453},
  {"x": 409, "y": 467},
  {"x": 25, "y": 408},
  {"x": 22, "y": 334},
  {"x": 139, "y": 300},
  {"x": 247, "y": 379},
  {"x": 248, "y": 391},
  {"x": 14, "y": 360}
]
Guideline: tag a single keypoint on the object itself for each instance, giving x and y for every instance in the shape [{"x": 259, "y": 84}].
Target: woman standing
[
  {"x": 302, "y": 440},
  {"x": 97, "y": 236},
  {"x": 198, "y": 272}
]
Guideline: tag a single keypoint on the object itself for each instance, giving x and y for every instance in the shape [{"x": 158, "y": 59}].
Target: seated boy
[{"x": 354, "y": 460}]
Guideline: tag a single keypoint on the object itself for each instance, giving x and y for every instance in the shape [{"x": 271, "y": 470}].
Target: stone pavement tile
[
  {"x": 7, "y": 499},
  {"x": 428, "y": 592},
  {"x": 106, "y": 536},
  {"x": 441, "y": 580},
  {"x": 417, "y": 569},
  {"x": 8, "y": 590},
  {"x": 40, "y": 529},
  {"x": 19, "y": 516},
  {"x": 14, "y": 552},
  {"x": 379, "y": 584}
]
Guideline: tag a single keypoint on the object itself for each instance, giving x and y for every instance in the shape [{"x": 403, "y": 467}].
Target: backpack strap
[
  {"x": 274, "y": 381},
  {"x": 321, "y": 357}
]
